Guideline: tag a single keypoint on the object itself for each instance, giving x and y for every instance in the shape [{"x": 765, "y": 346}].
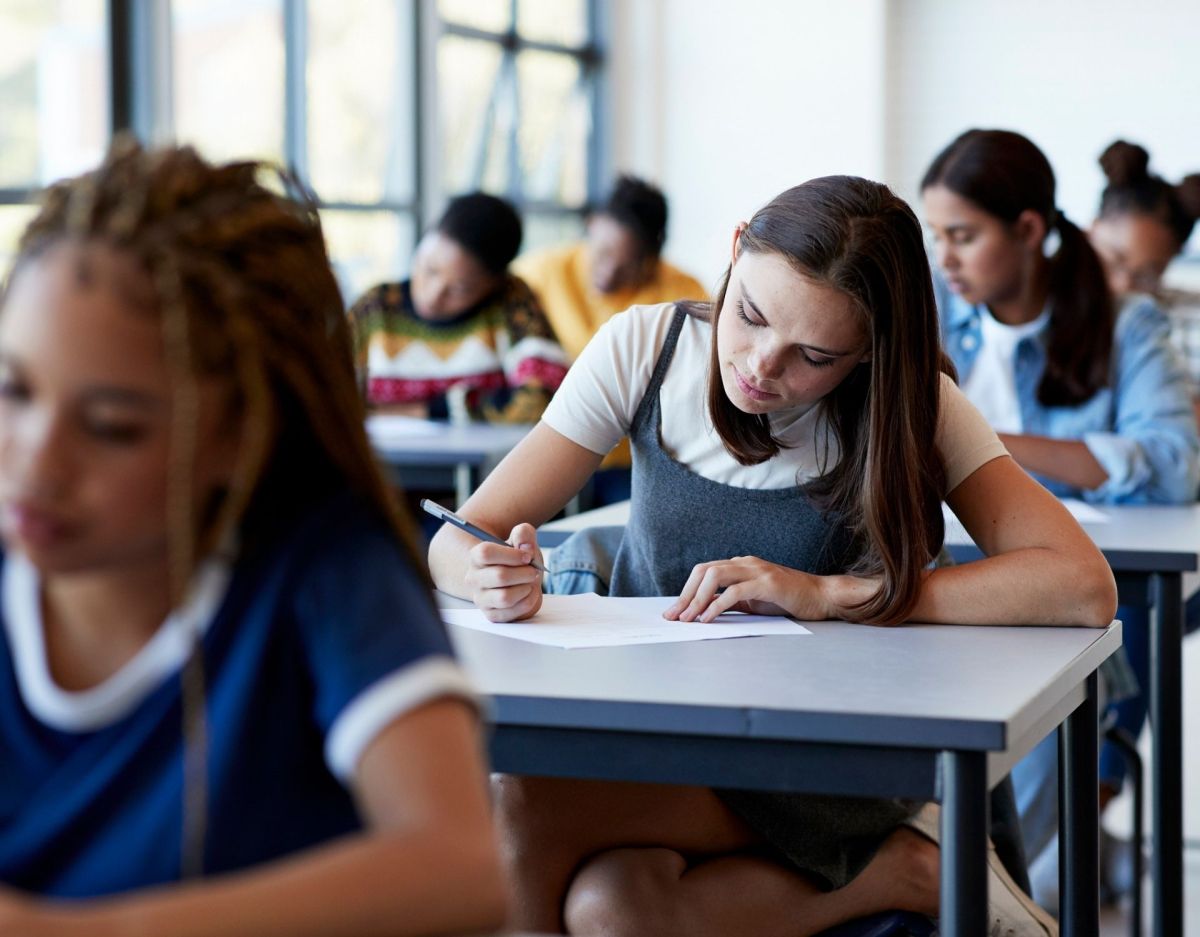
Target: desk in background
[
  {"x": 1148, "y": 548},
  {"x": 929, "y": 712},
  {"x": 427, "y": 454}
]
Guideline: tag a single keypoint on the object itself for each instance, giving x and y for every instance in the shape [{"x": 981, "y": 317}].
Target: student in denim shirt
[{"x": 1089, "y": 398}]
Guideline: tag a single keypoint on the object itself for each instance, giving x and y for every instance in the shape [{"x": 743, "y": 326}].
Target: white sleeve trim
[{"x": 369, "y": 713}]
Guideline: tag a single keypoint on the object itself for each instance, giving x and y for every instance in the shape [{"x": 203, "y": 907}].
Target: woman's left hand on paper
[{"x": 749, "y": 584}]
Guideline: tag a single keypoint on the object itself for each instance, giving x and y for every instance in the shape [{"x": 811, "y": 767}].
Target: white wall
[
  {"x": 727, "y": 103},
  {"x": 1073, "y": 75}
]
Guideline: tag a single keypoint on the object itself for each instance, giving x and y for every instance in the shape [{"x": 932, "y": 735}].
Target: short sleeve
[
  {"x": 600, "y": 395},
  {"x": 375, "y": 645},
  {"x": 964, "y": 438}
]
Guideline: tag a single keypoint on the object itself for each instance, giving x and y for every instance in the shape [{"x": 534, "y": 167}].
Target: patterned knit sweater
[{"x": 502, "y": 352}]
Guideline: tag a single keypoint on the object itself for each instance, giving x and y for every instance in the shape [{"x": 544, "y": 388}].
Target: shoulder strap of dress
[{"x": 650, "y": 399}]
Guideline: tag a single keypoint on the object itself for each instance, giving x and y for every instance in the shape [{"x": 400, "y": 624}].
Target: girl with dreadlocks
[{"x": 217, "y": 646}]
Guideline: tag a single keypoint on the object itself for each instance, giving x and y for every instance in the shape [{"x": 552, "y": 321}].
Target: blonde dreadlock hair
[{"x": 244, "y": 288}]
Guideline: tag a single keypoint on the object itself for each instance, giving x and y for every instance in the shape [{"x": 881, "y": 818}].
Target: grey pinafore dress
[{"x": 678, "y": 519}]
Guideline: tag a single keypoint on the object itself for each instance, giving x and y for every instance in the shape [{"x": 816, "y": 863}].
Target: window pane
[
  {"x": 492, "y": 15},
  {"x": 367, "y": 247},
  {"x": 13, "y": 219},
  {"x": 554, "y": 127},
  {"x": 53, "y": 89},
  {"x": 550, "y": 231},
  {"x": 561, "y": 21},
  {"x": 477, "y": 115},
  {"x": 360, "y": 101},
  {"x": 229, "y": 77}
]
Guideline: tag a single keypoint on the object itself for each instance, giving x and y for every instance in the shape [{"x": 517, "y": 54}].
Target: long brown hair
[
  {"x": 1005, "y": 174},
  {"x": 859, "y": 238}
]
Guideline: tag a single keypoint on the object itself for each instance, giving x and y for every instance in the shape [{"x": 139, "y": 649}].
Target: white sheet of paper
[
  {"x": 383, "y": 428},
  {"x": 574, "y": 621}
]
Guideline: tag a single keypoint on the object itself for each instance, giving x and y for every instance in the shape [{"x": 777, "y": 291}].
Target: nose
[
  {"x": 35, "y": 453},
  {"x": 945, "y": 255},
  {"x": 766, "y": 360},
  {"x": 1120, "y": 282}
]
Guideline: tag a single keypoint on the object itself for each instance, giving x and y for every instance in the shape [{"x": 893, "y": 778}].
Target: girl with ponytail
[
  {"x": 1089, "y": 398},
  {"x": 1083, "y": 387},
  {"x": 792, "y": 445}
]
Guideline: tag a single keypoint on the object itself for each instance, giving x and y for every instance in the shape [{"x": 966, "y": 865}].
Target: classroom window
[
  {"x": 516, "y": 91},
  {"x": 227, "y": 63},
  {"x": 53, "y": 101},
  {"x": 332, "y": 91}
]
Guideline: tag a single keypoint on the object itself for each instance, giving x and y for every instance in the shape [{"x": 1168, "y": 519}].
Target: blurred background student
[
  {"x": 1086, "y": 392},
  {"x": 618, "y": 265},
  {"x": 1143, "y": 224},
  {"x": 461, "y": 321},
  {"x": 227, "y": 703}
]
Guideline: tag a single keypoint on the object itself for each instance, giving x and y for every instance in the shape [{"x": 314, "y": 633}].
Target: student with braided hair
[{"x": 226, "y": 702}]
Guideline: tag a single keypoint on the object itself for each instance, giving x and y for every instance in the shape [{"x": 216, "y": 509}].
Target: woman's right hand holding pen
[{"x": 504, "y": 584}]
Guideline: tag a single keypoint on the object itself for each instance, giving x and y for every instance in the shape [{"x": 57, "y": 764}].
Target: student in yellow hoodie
[{"x": 618, "y": 265}]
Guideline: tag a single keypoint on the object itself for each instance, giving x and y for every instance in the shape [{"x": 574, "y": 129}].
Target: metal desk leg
[
  {"x": 964, "y": 845},
  {"x": 1166, "y": 718},
  {"x": 1078, "y": 805},
  {"x": 464, "y": 483}
]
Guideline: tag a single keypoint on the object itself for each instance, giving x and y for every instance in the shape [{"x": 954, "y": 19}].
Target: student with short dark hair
[
  {"x": 618, "y": 265},
  {"x": 793, "y": 442},
  {"x": 461, "y": 320},
  {"x": 227, "y": 704}
]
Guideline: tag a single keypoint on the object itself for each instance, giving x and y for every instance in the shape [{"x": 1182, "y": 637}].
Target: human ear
[
  {"x": 737, "y": 240},
  {"x": 1030, "y": 229}
]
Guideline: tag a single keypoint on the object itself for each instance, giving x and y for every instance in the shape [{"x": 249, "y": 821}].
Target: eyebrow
[
  {"x": 821, "y": 351},
  {"x": 101, "y": 393},
  {"x": 957, "y": 227},
  {"x": 123, "y": 397}
]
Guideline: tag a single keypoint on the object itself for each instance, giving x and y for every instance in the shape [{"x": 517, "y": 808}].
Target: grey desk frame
[
  {"x": 1149, "y": 548},
  {"x": 471, "y": 451},
  {"x": 931, "y": 712}
]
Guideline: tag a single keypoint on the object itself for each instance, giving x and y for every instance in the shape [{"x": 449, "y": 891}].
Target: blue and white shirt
[
  {"x": 1140, "y": 427},
  {"x": 310, "y": 648}
]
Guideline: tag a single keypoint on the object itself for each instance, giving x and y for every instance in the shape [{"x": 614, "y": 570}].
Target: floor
[{"x": 1115, "y": 922}]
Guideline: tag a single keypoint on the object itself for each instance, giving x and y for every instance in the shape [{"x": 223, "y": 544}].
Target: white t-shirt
[
  {"x": 992, "y": 383},
  {"x": 596, "y": 404}
]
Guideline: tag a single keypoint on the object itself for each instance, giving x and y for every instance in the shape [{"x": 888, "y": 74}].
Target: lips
[
  {"x": 750, "y": 390},
  {"x": 33, "y": 525}
]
